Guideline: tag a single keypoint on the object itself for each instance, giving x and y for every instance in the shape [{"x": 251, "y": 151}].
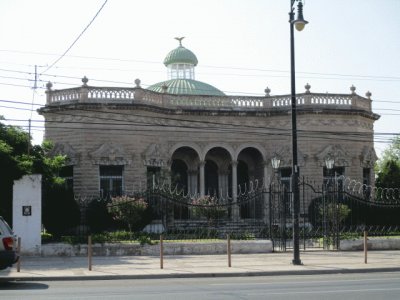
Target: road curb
[{"x": 197, "y": 275}]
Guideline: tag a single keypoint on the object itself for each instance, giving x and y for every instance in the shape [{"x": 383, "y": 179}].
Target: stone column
[
  {"x": 202, "y": 178},
  {"x": 192, "y": 182},
  {"x": 223, "y": 184},
  {"x": 235, "y": 208},
  {"x": 266, "y": 182}
]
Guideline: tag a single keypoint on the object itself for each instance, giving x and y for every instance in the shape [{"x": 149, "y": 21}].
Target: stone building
[{"x": 119, "y": 138}]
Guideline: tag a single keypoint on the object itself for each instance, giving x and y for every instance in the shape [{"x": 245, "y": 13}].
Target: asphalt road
[{"x": 340, "y": 286}]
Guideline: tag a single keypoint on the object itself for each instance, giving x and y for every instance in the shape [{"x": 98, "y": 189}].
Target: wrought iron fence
[{"x": 329, "y": 213}]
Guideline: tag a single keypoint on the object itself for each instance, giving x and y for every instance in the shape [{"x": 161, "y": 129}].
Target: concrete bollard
[
  {"x": 161, "y": 252},
  {"x": 90, "y": 253},
  {"x": 365, "y": 247},
  {"x": 19, "y": 254},
  {"x": 228, "y": 248}
]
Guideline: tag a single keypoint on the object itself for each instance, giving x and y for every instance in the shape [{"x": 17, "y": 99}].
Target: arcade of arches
[{"x": 218, "y": 171}]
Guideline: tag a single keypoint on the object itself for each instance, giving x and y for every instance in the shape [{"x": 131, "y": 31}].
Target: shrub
[
  {"x": 134, "y": 213},
  {"x": 60, "y": 211},
  {"x": 97, "y": 216}
]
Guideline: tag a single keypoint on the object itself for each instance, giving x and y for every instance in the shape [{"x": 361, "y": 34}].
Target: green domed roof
[
  {"x": 180, "y": 55},
  {"x": 186, "y": 87}
]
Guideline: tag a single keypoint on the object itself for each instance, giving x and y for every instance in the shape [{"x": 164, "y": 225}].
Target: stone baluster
[
  {"x": 84, "y": 90},
  {"x": 353, "y": 96},
  {"x": 49, "y": 85},
  {"x": 368, "y": 95},
  {"x": 307, "y": 95},
  {"x": 138, "y": 91}
]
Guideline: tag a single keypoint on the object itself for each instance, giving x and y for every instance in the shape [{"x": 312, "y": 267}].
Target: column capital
[
  {"x": 234, "y": 163},
  {"x": 192, "y": 172},
  {"x": 202, "y": 163}
]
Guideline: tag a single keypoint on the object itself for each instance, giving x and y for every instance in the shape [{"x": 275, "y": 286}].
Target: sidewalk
[{"x": 136, "y": 267}]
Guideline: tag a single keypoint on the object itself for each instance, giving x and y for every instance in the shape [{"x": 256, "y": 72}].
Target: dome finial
[{"x": 180, "y": 40}]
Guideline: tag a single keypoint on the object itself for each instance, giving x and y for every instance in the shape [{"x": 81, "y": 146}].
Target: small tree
[
  {"x": 130, "y": 211},
  {"x": 392, "y": 153},
  {"x": 335, "y": 213},
  {"x": 16, "y": 162},
  {"x": 389, "y": 175},
  {"x": 387, "y": 167}
]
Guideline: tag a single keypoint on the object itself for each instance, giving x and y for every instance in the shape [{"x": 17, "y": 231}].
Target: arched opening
[
  {"x": 242, "y": 176},
  {"x": 211, "y": 178},
  {"x": 216, "y": 172},
  {"x": 250, "y": 174},
  {"x": 184, "y": 174},
  {"x": 184, "y": 169},
  {"x": 179, "y": 175}
]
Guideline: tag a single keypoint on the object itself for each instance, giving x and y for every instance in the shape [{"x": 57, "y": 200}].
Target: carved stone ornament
[
  {"x": 368, "y": 157},
  {"x": 285, "y": 155},
  {"x": 66, "y": 149},
  {"x": 110, "y": 154},
  {"x": 154, "y": 156},
  {"x": 340, "y": 156}
]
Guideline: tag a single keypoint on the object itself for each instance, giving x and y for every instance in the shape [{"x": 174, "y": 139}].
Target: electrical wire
[
  {"x": 218, "y": 126},
  {"x": 76, "y": 40},
  {"x": 205, "y": 66},
  {"x": 129, "y": 83}
]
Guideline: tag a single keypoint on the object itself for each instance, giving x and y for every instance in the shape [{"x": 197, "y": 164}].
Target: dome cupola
[
  {"x": 180, "y": 55},
  {"x": 180, "y": 63}
]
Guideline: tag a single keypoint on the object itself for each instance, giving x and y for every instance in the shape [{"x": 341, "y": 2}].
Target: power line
[
  {"x": 12, "y": 84},
  {"x": 230, "y": 127},
  {"x": 152, "y": 127},
  {"x": 214, "y": 67},
  {"x": 74, "y": 42},
  {"x": 42, "y": 105},
  {"x": 126, "y": 83}
]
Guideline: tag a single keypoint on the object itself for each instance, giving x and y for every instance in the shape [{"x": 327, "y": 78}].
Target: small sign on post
[{"x": 27, "y": 210}]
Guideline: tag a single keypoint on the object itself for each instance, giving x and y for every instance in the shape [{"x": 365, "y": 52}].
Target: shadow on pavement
[{"x": 21, "y": 285}]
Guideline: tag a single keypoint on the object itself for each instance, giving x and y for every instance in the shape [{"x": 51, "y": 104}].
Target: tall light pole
[{"x": 299, "y": 23}]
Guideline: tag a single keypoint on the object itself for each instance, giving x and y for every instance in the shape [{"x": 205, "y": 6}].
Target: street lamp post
[
  {"x": 327, "y": 204},
  {"x": 275, "y": 206},
  {"x": 299, "y": 23}
]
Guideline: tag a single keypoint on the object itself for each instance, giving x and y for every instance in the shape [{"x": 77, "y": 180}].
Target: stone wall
[{"x": 170, "y": 248}]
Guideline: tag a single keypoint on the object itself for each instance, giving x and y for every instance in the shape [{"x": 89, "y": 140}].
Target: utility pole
[
  {"x": 29, "y": 137},
  {"x": 33, "y": 101}
]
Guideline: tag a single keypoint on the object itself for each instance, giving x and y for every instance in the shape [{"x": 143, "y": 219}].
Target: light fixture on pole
[
  {"x": 275, "y": 162},
  {"x": 299, "y": 23},
  {"x": 329, "y": 162}
]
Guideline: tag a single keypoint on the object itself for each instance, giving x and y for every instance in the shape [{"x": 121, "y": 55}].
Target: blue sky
[{"x": 242, "y": 47}]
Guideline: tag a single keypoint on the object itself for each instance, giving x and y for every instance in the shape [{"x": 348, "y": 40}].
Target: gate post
[
  {"x": 27, "y": 212},
  {"x": 266, "y": 212}
]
